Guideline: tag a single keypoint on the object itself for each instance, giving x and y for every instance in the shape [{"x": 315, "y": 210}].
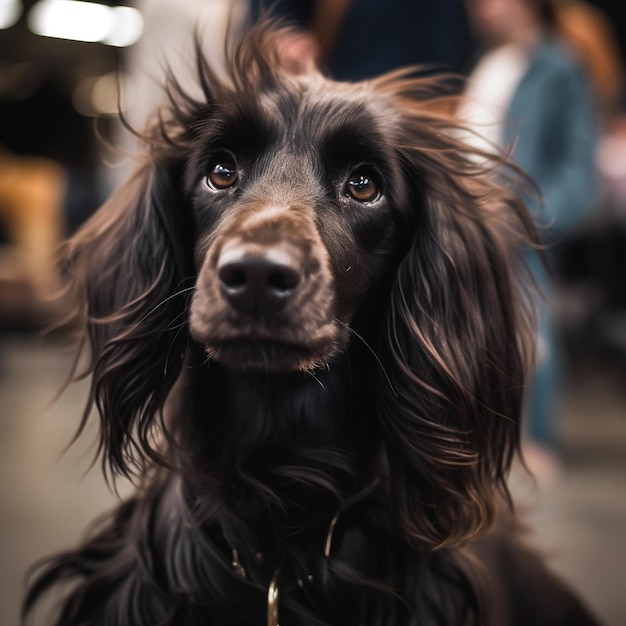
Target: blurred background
[{"x": 66, "y": 69}]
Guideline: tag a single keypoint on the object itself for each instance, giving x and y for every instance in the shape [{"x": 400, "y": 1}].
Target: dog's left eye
[
  {"x": 362, "y": 187},
  {"x": 222, "y": 174}
]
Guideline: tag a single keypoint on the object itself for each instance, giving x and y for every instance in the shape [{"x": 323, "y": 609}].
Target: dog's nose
[{"x": 259, "y": 283}]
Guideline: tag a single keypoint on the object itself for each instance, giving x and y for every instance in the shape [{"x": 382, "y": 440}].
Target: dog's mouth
[{"x": 262, "y": 354}]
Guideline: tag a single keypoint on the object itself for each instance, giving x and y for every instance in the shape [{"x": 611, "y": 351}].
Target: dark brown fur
[{"x": 384, "y": 385}]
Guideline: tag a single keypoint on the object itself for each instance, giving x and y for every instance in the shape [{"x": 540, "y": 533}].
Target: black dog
[{"x": 308, "y": 336}]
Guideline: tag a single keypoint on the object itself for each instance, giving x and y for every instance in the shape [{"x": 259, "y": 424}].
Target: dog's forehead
[{"x": 312, "y": 97}]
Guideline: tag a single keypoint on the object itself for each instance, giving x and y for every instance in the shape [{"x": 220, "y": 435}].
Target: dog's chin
[{"x": 267, "y": 355}]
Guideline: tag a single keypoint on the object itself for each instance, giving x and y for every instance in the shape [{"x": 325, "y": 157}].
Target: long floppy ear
[
  {"x": 457, "y": 343},
  {"x": 129, "y": 267}
]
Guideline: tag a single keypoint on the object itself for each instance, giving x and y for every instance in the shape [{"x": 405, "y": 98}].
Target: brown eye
[
  {"x": 362, "y": 188},
  {"x": 223, "y": 174}
]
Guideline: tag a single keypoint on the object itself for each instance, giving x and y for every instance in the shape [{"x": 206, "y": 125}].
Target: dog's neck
[{"x": 281, "y": 451}]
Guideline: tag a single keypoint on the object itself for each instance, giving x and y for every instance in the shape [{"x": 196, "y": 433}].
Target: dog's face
[{"x": 295, "y": 197}]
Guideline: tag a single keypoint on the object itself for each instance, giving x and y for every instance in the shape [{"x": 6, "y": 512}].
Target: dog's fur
[{"x": 308, "y": 334}]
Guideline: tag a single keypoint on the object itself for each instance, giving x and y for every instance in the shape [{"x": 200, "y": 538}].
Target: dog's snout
[{"x": 258, "y": 283}]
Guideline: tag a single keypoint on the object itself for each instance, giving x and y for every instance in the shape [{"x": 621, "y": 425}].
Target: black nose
[{"x": 258, "y": 284}]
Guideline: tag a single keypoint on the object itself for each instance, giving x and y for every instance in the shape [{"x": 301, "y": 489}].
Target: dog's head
[
  {"x": 283, "y": 217},
  {"x": 296, "y": 197}
]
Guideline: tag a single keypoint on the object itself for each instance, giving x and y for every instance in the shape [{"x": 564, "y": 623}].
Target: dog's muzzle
[{"x": 265, "y": 295}]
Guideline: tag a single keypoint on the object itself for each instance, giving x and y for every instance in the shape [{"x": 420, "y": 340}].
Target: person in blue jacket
[{"x": 529, "y": 93}]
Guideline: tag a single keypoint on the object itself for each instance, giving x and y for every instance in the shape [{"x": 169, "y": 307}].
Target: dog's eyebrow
[
  {"x": 243, "y": 128},
  {"x": 352, "y": 140}
]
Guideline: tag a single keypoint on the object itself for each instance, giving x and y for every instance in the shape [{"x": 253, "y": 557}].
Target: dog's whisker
[
  {"x": 175, "y": 327},
  {"x": 207, "y": 359},
  {"x": 169, "y": 352},
  {"x": 316, "y": 379},
  {"x": 373, "y": 353},
  {"x": 166, "y": 300}
]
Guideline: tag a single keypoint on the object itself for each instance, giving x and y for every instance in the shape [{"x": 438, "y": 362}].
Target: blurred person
[
  {"x": 529, "y": 93},
  {"x": 359, "y": 39},
  {"x": 589, "y": 32}
]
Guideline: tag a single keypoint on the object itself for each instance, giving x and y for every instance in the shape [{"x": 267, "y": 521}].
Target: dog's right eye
[{"x": 223, "y": 174}]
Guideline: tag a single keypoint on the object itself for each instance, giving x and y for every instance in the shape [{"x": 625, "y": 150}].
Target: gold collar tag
[{"x": 272, "y": 601}]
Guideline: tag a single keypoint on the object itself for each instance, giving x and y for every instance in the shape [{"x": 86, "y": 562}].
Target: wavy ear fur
[
  {"x": 128, "y": 266},
  {"x": 457, "y": 337}
]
